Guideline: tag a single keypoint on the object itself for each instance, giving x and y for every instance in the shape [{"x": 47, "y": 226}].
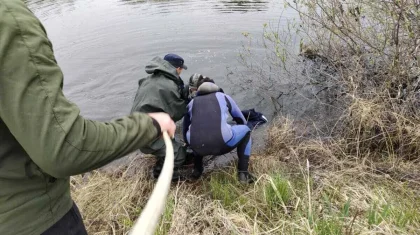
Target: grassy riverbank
[{"x": 302, "y": 188}]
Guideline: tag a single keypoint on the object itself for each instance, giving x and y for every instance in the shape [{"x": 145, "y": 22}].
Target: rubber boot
[
  {"x": 189, "y": 157},
  {"x": 243, "y": 175},
  {"x": 246, "y": 177},
  {"x": 157, "y": 168},
  {"x": 198, "y": 167},
  {"x": 176, "y": 175}
]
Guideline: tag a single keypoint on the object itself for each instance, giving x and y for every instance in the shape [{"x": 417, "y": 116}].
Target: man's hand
[{"x": 165, "y": 123}]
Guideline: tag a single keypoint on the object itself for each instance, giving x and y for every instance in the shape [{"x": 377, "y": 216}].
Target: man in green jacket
[
  {"x": 43, "y": 139},
  {"x": 163, "y": 91}
]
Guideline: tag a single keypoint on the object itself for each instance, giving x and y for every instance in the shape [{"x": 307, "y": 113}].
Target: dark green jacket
[
  {"x": 43, "y": 139},
  {"x": 162, "y": 91}
]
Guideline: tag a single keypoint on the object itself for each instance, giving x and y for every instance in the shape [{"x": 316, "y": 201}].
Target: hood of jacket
[
  {"x": 207, "y": 88},
  {"x": 159, "y": 65}
]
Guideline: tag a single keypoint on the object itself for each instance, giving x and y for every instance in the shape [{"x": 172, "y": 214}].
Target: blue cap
[{"x": 175, "y": 60}]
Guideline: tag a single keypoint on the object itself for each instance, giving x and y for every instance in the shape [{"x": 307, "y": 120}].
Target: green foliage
[
  {"x": 345, "y": 212},
  {"x": 403, "y": 217},
  {"x": 127, "y": 222},
  {"x": 277, "y": 192},
  {"x": 222, "y": 187},
  {"x": 376, "y": 214},
  {"x": 166, "y": 220},
  {"x": 331, "y": 226}
]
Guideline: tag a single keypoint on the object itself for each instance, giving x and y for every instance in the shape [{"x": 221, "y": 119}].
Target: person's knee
[
  {"x": 245, "y": 132},
  {"x": 180, "y": 153},
  {"x": 156, "y": 148},
  {"x": 241, "y": 128}
]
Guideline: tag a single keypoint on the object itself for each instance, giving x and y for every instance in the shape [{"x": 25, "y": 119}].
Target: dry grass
[
  {"x": 335, "y": 196},
  {"x": 373, "y": 128},
  {"x": 110, "y": 202}
]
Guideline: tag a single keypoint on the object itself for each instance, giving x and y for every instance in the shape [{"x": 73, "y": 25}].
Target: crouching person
[
  {"x": 163, "y": 91},
  {"x": 207, "y": 131}
]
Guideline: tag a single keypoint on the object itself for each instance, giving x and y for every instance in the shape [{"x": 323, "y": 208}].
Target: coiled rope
[{"x": 149, "y": 217}]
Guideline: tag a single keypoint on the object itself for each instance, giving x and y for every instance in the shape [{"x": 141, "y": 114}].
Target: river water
[{"x": 103, "y": 46}]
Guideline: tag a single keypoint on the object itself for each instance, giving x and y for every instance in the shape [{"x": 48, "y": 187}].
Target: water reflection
[
  {"x": 241, "y": 6},
  {"x": 133, "y": 2},
  {"x": 223, "y": 6},
  {"x": 48, "y": 7},
  {"x": 102, "y": 46}
]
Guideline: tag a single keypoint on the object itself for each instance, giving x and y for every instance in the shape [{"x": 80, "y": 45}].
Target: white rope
[{"x": 149, "y": 217}]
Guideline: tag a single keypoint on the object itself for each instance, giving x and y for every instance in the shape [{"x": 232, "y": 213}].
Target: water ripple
[{"x": 102, "y": 46}]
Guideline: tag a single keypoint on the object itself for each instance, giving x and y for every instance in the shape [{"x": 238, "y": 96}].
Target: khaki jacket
[{"x": 43, "y": 139}]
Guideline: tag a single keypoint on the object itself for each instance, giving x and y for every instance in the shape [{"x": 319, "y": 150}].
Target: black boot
[
  {"x": 176, "y": 175},
  {"x": 246, "y": 177},
  {"x": 243, "y": 175},
  {"x": 189, "y": 159},
  {"x": 198, "y": 167},
  {"x": 196, "y": 174},
  {"x": 243, "y": 163},
  {"x": 157, "y": 168}
]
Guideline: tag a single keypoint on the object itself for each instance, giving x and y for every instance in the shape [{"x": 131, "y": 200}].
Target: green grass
[
  {"x": 223, "y": 187},
  {"x": 277, "y": 192},
  {"x": 166, "y": 220},
  {"x": 275, "y": 204},
  {"x": 332, "y": 226},
  {"x": 348, "y": 200},
  {"x": 377, "y": 214}
]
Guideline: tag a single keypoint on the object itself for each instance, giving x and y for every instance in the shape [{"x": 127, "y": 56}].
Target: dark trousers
[
  {"x": 241, "y": 141},
  {"x": 70, "y": 224},
  {"x": 158, "y": 149}
]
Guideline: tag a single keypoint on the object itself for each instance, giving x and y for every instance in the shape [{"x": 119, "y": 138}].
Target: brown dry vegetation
[
  {"x": 361, "y": 176},
  {"x": 331, "y": 193}
]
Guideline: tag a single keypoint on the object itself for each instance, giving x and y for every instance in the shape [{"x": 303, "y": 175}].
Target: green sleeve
[{"x": 42, "y": 120}]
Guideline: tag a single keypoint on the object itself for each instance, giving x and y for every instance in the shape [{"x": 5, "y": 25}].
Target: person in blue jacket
[{"x": 207, "y": 131}]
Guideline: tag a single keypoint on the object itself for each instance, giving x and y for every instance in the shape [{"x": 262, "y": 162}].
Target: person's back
[
  {"x": 208, "y": 132},
  {"x": 161, "y": 91},
  {"x": 209, "y": 128}
]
